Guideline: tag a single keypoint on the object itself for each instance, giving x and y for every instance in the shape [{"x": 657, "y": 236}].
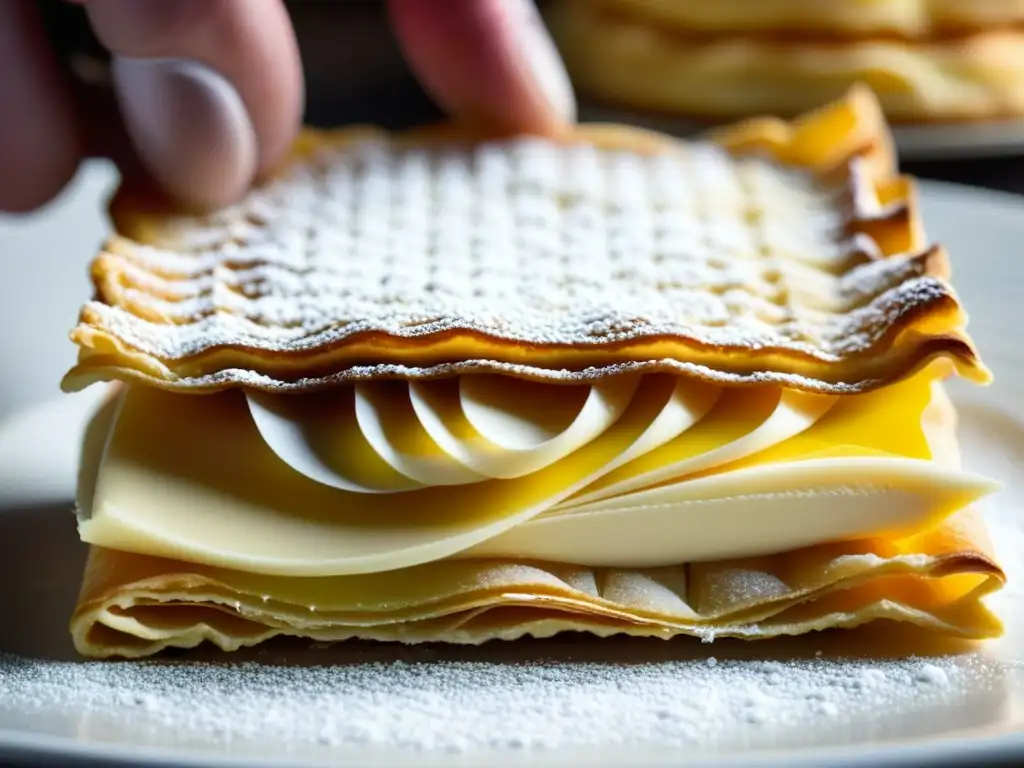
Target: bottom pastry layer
[{"x": 135, "y": 605}]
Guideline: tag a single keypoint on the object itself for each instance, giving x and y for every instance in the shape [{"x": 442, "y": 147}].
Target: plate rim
[
  {"x": 955, "y": 749},
  {"x": 970, "y": 746}
]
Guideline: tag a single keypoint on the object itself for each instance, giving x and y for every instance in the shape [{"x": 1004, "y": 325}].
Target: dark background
[{"x": 355, "y": 74}]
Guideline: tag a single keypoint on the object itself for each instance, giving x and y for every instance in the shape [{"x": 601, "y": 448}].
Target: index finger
[{"x": 489, "y": 60}]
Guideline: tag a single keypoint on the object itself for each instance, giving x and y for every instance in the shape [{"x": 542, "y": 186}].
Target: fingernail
[
  {"x": 541, "y": 55},
  {"x": 189, "y": 126}
]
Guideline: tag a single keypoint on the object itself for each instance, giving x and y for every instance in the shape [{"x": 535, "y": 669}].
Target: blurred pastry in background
[
  {"x": 929, "y": 61},
  {"x": 847, "y": 18}
]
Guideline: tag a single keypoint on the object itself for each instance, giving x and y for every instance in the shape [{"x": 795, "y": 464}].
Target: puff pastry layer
[{"x": 783, "y": 253}]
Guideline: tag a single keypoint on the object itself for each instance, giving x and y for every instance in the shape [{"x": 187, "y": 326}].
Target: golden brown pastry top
[{"x": 790, "y": 253}]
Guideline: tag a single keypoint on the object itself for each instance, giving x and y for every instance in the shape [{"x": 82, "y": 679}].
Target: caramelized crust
[
  {"x": 134, "y": 605},
  {"x": 787, "y": 253}
]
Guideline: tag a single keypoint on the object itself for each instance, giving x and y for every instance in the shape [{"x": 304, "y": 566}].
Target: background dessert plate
[{"x": 848, "y": 698}]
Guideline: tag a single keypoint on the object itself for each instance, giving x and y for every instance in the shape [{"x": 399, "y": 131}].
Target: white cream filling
[
  {"x": 753, "y": 511},
  {"x": 385, "y": 476}
]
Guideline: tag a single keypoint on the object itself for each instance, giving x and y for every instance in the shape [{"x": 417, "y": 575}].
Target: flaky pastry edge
[{"x": 846, "y": 143}]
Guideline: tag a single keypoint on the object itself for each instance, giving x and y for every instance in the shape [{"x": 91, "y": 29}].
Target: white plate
[
  {"x": 945, "y": 704},
  {"x": 1001, "y": 138}
]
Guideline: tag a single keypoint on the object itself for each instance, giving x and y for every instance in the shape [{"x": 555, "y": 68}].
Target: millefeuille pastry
[
  {"x": 927, "y": 62},
  {"x": 450, "y": 387}
]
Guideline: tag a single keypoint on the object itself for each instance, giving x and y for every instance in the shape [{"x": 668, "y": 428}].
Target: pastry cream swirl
[{"x": 635, "y": 471}]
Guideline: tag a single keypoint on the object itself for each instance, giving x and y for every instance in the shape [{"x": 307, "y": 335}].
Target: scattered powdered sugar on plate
[{"x": 469, "y": 706}]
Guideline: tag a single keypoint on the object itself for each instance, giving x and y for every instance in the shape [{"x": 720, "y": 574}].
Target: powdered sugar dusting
[
  {"x": 474, "y": 706},
  {"x": 522, "y": 240}
]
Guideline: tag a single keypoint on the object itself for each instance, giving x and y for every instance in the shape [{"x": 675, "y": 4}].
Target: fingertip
[
  {"x": 40, "y": 142},
  {"x": 249, "y": 44},
  {"x": 35, "y": 170},
  {"x": 487, "y": 59},
  {"x": 190, "y": 129}
]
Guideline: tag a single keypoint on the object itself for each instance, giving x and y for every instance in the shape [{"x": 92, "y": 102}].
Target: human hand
[{"x": 211, "y": 91}]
